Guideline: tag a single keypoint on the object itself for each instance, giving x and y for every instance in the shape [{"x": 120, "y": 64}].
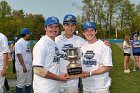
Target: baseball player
[
  {"x": 46, "y": 60},
  {"x": 23, "y": 62},
  {"x": 64, "y": 41},
  {"x": 4, "y": 50},
  {"x": 96, "y": 62}
]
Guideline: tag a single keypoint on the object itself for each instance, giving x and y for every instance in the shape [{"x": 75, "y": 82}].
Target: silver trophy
[{"x": 74, "y": 69}]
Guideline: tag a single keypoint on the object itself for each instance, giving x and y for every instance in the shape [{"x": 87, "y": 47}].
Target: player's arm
[
  {"x": 106, "y": 62},
  {"x": 125, "y": 45},
  {"x": 5, "y": 57},
  {"x": 101, "y": 70},
  {"x": 6, "y": 50},
  {"x": 40, "y": 71},
  {"x": 20, "y": 58},
  {"x": 5, "y": 64},
  {"x": 134, "y": 45}
]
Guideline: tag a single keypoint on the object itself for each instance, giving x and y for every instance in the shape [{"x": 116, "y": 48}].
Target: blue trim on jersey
[{"x": 37, "y": 66}]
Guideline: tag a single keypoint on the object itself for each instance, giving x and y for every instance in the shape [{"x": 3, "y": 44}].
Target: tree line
[{"x": 112, "y": 17}]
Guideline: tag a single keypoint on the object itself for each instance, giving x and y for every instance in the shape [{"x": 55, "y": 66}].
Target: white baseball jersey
[
  {"x": 46, "y": 55},
  {"x": 4, "y": 48},
  {"x": 22, "y": 47},
  {"x": 96, "y": 55},
  {"x": 63, "y": 43},
  {"x": 127, "y": 50}
]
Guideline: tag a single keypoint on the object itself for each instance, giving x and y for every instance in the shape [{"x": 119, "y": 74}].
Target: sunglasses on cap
[{"x": 70, "y": 20}]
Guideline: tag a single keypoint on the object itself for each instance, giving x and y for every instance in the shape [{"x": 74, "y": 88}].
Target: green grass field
[{"x": 121, "y": 82}]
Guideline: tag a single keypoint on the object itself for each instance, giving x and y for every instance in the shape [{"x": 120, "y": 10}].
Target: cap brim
[
  {"x": 51, "y": 24},
  {"x": 89, "y": 27},
  {"x": 69, "y": 23}
]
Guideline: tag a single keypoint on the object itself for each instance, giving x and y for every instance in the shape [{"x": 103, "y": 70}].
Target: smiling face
[
  {"x": 89, "y": 34},
  {"x": 52, "y": 30},
  {"x": 69, "y": 29}
]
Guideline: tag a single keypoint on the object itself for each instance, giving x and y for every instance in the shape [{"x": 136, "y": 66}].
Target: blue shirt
[{"x": 135, "y": 49}]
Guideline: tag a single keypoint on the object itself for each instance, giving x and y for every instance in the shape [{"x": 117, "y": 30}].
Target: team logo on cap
[
  {"x": 53, "y": 18},
  {"x": 88, "y": 24},
  {"x": 68, "y": 18}
]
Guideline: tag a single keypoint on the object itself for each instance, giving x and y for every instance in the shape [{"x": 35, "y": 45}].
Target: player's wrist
[
  {"x": 58, "y": 78},
  {"x": 90, "y": 73}
]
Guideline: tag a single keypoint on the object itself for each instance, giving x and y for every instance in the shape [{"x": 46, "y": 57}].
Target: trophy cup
[{"x": 74, "y": 70}]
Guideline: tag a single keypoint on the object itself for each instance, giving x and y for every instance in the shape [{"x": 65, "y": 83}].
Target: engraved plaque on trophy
[{"x": 74, "y": 70}]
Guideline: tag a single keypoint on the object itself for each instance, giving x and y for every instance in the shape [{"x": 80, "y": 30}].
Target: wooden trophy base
[{"x": 75, "y": 76}]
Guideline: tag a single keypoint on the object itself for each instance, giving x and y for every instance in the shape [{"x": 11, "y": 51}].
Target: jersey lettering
[
  {"x": 88, "y": 59},
  {"x": 89, "y": 62},
  {"x": 57, "y": 56},
  {"x": 64, "y": 49},
  {"x": 28, "y": 49}
]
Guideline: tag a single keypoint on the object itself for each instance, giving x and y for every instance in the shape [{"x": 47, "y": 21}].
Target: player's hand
[
  {"x": 86, "y": 74},
  {"x": 106, "y": 42},
  {"x": 62, "y": 77},
  {"x": 3, "y": 72},
  {"x": 24, "y": 69}
]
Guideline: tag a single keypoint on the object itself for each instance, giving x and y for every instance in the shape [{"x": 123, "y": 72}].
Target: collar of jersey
[
  {"x": 47, "y": 38},
  {"x": 67, "y": 38}
]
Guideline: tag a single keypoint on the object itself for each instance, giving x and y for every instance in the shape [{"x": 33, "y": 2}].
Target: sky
[{"x": 57, "y": 8}]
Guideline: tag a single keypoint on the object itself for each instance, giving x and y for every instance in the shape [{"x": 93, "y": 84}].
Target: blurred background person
[
  {"x": 23, "y": 62},
  {"x": 127, "y": 52},
  {"x": 136, "y": 51},
  {"x": 12, "y": 48}
]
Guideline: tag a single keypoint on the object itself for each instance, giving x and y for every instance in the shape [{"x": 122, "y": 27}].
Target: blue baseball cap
[
  {"x": 69, "y": 19},
  {"x": 25, "y": 31},
  {"x": 51, "y": 20},
  {"x": 136, "y": 35},
  {"x": 16, "y": 39},
  {"x": 89, "y": 24}
]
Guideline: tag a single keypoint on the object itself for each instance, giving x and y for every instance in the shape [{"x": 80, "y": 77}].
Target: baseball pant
[
  {"x": 70, "y": 89},
  {"x": 2, "y": 79},
  {"x": 104, "y": 91},
  {"x": 24, "y": 78}
]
